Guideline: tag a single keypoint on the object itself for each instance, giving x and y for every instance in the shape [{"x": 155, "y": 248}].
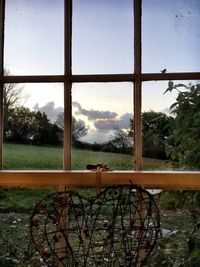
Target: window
[{"x": 108, "y": 53}]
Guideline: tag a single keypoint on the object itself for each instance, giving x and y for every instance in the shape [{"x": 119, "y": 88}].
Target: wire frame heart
[{"x": 119, "y": 227}]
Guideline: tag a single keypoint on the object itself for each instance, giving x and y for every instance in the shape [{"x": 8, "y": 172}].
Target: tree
[
  {"x": 79, "y": 128},
  {"x": 184, "y": 142},
  {"x": 46, "y": 132},
  {"x": 12, "y": 97},
  {"x": 122, "y": 142},
  {"x": 183, "y": 145},
  {"x": 30, "y": 127},
  {"x": 156, "y": 127},
  {"x": 20, "y": 125}
]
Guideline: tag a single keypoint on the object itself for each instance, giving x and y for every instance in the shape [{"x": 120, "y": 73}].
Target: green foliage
[
  {"x": 121, "y": 142},
  {"x": 29, "y": 127},
  {"x": 172, "y": 200},
  {"x": 20, "y": 125},
  {"x": 12, "y": 97},
  {"x": 193, "y": 258},
  {"x": 46, "y": 132},
  {"x": 156, "y": 127},
  {"x": 183, "y": 144}
]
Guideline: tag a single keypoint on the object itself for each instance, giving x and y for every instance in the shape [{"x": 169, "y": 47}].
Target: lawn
[{"x": 27, "y": 157}]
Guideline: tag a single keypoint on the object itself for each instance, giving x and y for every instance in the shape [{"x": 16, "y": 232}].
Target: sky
[{"x": 102, "y": 42}]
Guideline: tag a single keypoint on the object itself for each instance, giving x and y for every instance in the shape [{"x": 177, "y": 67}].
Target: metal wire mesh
[{"x": 117, "y": 228}]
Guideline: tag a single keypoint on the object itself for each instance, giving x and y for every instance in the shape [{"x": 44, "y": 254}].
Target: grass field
[{"x": 27, "y": 157}]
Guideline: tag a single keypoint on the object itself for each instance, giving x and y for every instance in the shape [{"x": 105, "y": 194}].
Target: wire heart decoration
[{"x": 117, "y": 228}]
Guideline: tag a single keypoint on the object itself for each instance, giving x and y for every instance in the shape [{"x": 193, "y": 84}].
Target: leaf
[
  {"x": 173, "y": 105},
  {"x": 170, "y": 87},
  {"x": 180, "y": 85}
]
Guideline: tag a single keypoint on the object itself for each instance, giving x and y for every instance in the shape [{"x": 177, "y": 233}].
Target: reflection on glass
[
  {"x": 34, "y": 42},
  {"x": 102, "y": 36},
  {"x": 32, "y": 137},
  {"x": 104, "y": 111},
  {"x": 171, "y": 35},
  {"x": 171, "y": 125}
]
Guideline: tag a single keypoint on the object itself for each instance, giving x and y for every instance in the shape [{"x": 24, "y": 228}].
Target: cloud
[
  {"x": 125, "y": 120},
  {"x": 106, "y": 124},
  {"x": 110, "y": 124},
  {"x": 104, "y": 120},
  {"x": 49, "y": 109},
  {"x": 93, "y": 114}
]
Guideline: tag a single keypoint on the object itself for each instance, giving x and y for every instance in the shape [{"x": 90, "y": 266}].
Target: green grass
[
  {"x": 20, "y": 157},
  {"x": 21, "y": 200},
  {"x": 16, "y": 248},
  {"x": 27, "y": 157},
  {"x": 80, "y": 158}
]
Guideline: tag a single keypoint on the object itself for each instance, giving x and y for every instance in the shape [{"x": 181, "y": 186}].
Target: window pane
[
  {"x": 171, "y": 35},
  {"x": 102, "y": 36},
  {"x": 34, "y": 37},
  {"x": 171, "y": 121},
  {"x": 32, "y": 139},
  {"x": 105, "y": 109}
]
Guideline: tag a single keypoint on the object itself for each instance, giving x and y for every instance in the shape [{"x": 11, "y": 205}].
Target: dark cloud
[
  {"x": 106, "y": 125},
  {"x": 94, "y": 114},
  {"x": 104, "y": 120},
  {"x": 49, "y": 109},
  {"x": 111, "y": 124}
]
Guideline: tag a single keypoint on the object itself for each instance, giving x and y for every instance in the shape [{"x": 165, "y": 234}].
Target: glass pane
[
  {"x": 34, "y": 37},
  {"x": 171, "y": 35},
  {"x": 102, "y": 36},
  {"x": 171, "y": 121},
  {"x": 32, "y": 139},
  {"x": 104, "y": 111}
]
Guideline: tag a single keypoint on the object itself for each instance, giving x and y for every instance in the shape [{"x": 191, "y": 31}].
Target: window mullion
[
  {"x": 67, "y": 85},
  {"x": 2, "y": 18},
  {"x": 137, "y": 87}
]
